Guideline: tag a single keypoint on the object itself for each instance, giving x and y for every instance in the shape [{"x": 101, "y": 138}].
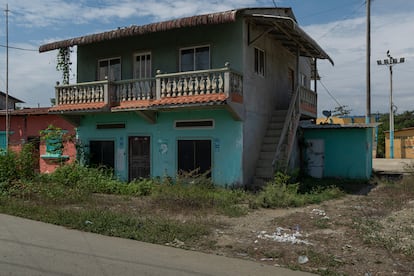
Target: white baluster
[
  {"x": 208, "y": 84},
  {"x": 220, "y": 83},
  {"x": 185, "y": 86},
  {"x": 196, "y": 85}
]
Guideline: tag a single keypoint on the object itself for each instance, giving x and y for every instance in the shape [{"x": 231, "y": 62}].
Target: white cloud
[
  {"x": 33, "y": 75},
  {"x": 346, "y": 43}
]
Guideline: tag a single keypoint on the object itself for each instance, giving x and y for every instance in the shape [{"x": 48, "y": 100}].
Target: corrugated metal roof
[
  {"x": 10, "y": 97},
  {"x": 27, "y": 111},
  {"x": 279, "y": 21},
  {"x": 206, "y": 19},
  {"x": 337, "y": 126}
]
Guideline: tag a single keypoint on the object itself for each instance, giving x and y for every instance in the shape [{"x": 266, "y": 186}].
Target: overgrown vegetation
[
  {"x": 282, "y": 193},
  {"x": 49, "y": 197}
]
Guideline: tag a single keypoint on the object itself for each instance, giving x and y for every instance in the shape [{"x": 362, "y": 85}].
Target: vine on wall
[{"x": 63, "y": 63}]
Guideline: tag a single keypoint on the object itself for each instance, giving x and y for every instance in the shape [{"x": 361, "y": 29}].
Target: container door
[{"x": 315, "y": 153}]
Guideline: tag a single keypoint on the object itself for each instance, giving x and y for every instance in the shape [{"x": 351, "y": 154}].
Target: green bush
[
  {"x": 281, "y": 193},
  {"x": 8, "y": 167},
  {"x": 137, "y": 187},
  {"x": 26, "y": 162}
]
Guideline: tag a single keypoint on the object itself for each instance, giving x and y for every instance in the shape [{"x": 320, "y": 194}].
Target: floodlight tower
[{"x": 390, "y": 62}]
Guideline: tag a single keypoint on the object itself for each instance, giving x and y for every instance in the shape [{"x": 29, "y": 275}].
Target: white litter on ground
[
  {"x": 320, "y": 213},
  {"x": 280, "y": 235}
]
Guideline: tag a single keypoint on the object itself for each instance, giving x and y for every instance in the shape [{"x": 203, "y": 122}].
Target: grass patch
[{"x": 148, "y": 229}]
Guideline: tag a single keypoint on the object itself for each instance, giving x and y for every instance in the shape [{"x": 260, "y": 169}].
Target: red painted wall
[{"x": 23, "y": 127}]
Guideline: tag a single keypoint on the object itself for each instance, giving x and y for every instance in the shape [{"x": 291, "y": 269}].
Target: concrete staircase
[{"x": 264, "y": 170}]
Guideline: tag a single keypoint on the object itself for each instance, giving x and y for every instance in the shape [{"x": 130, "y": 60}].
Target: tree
[{"x": 404, "y": 120}]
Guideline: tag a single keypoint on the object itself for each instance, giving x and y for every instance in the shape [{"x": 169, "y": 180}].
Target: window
[
  {"x": 197, "y": 58},
  {"x": 102, "y": 153},
  {"x": 109, "y": 126},
  {"x": 194, "y": 154},
  {"x": 195, "y": 124},
  {"x": 259, "y": 62},
  {"x": 291, "y": 79},
  {"x": 303, "y": 80},
  {"x": 142, "y": 66},
  {"x": 109, "y": 69}
]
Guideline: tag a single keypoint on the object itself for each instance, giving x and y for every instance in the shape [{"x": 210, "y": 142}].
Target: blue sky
[{"x": 339, "y": 26}]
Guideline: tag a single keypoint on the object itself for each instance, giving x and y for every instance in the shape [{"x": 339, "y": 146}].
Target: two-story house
[{"x": 215, "y": 92}]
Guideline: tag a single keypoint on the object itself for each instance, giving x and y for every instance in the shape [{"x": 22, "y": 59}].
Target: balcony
[
  {"x": 308, "y": 103},
  {"x": 178, "y": 89}
]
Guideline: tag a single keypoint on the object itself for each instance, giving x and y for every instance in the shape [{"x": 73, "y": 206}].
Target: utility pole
[
  {"x": 368, "y": 64},
  {"x": 390, "y": 62},
  {"x": 7, "y": 78}
]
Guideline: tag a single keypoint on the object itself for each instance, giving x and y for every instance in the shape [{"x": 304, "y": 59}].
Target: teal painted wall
[
  {"x": 226, "y": 137},
  {"x": 2, "y": 140},
  {"x": 225, "y": 42},
  {"x": 348, "y": 151}
]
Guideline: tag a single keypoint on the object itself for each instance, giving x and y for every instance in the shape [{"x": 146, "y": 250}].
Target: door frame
[{"x": 130, "y": 154}]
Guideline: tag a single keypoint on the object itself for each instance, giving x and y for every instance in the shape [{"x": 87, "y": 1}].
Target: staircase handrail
[{"x": 292, "y": 119}]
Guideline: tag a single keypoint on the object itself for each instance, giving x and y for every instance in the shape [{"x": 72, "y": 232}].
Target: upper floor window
[
  {"x": 259, "y": 61},
  {"x": 142, "y": 66},
  {"x": 109, "y": 69},
  {"x": 196, "y": 58},
  {"x": 303, "y": 80},
  {"x": 291, "y": 79}
]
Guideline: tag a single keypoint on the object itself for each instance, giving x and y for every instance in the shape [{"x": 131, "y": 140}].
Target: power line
[
  {"x": 18, "y": 48},
  {"x": 339, "y": 22},
  {"x": 329, "y": 93}
]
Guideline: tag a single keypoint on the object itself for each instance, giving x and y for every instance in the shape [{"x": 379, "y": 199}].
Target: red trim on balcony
[{"x": 183, "y": 100}]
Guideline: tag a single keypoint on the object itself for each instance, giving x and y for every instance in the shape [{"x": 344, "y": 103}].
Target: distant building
[
  {"x": 25, "y": 126},
  {"x": 403, "y": 143},
  {"x": 11, "y": 101}
]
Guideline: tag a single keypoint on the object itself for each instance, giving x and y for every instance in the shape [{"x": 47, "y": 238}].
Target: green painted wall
[
  {"x": 348, "y": 151},
  {"x": 226, "y": 137},
  {"x": 225, "y": 42}
]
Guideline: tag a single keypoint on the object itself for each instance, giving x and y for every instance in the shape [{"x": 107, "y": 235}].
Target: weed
[
  {"x": 281, "y": 193},
  {"x": 321, "y": 223}
]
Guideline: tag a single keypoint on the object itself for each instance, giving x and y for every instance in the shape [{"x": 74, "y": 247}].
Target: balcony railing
[
  {"x": 181, "y": 84},
  {"x": 82, "y": 93},
  {"x": 308, "y": 102}
]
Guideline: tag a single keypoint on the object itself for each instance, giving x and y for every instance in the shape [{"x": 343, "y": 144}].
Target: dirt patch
[
  {"x": 356, "y": 235},
  {"x": 370, "y": 234}
]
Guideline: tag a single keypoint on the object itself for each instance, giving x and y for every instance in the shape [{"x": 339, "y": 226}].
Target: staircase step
[
  {"x": 265, "y": 164},
  {"x": 269, "y": 147},
  {"x": 275, "y": 125},
  {"x": 279, "y": 113},
  {"x": 270, "y": 140},
  {"x": 266, "y": 155},
  {"x": 264, "y": 168},
  {"x": 264, "y": 172},
  {"x": 273, "y": 133}
]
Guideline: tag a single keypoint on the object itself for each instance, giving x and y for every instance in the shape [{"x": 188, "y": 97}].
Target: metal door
[
  {"x": 139, "y": 157},
  {"x": 315, "y": 153}
]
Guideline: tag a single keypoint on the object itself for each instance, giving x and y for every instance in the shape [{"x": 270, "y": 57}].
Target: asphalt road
[{"x": 34, "y": 248}]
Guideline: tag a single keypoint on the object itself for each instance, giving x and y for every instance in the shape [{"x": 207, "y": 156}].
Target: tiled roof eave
[{"x": 205, "y": 19}]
